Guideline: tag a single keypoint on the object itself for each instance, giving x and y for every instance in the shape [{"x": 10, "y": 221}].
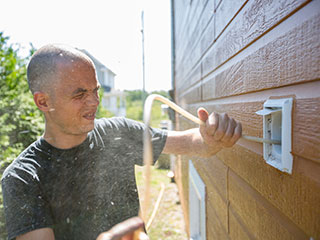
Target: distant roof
[{"x": 96, "y": 61}]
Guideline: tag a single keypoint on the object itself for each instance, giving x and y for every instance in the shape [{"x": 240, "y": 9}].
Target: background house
[
  {"x": 232, "y": 56},
  {"x": 113, "y": 100}
]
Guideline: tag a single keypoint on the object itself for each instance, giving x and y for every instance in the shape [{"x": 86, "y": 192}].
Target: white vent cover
[{"x": 277, "y": 125}]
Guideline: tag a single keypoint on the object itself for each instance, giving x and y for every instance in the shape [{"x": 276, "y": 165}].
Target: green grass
[{"x": 169, "y": 222}]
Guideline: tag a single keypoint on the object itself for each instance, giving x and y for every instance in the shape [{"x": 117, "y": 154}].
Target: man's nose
[{"x": 93, "y": 100}]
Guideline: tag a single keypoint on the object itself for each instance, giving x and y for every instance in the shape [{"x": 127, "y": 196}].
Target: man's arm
[
  {"x": 219, "y": 131},
  {"x": 39, "y": 234}
]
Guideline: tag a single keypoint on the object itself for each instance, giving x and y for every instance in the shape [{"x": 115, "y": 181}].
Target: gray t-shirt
[{"x": 82, "y": 191}]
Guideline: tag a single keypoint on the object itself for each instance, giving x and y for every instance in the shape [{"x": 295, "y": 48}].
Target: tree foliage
[
  {"x": 20, "y": 121},
  {"x": 101, "y": 111},
  {"x": 134, "y": 106}
]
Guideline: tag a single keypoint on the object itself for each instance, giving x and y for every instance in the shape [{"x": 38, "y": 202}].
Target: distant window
[
  {"x": 197, "y": 205},
  {"x": 106, "y": 88}
]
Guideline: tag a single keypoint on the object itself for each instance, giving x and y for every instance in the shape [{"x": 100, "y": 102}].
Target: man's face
[{"x": 74, "y": 99}]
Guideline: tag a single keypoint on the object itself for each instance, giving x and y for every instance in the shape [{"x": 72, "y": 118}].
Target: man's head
[
  {"x": 64, "y": 85},
  {"x": 43, "y": 68}
]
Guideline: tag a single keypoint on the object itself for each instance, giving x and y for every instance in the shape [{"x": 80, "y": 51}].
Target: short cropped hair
[{"x": 42, "y": 69}]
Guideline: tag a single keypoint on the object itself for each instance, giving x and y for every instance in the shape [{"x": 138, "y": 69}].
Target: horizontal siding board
[
  {"x": 306, "y": 131},
  {"x": 229, "y": 82},
  {"x": 225, "y": 12},
  {"x": 206, "y": 25},
  {"x": 185, "y": 123},
  {"x": 191, "y": 51},
  {"x": 308, "y": 168},
  {"x": 255, "y": 19},
  {"x": 187, "y": 76},
  {"x": 192, "y": 79},
  {"x": 192, "y": 29},
  {"x": 192, "y": 95},
  {"x": 186, "y": 37},
  {"x": 290, "y": 59},
  {"x": 237, "y": 230},
  {"x": 208, "y": 37},
  {"x": 215, "y": 230},
  {"x": 216, "y": 208},
  {"x": 297, "y": 196},
  {"x": 214, "y": 172},
  {"x": 261, "y": 219},
  {"x": 182, "y": 8},
  {"x": 217, "y": 4}
]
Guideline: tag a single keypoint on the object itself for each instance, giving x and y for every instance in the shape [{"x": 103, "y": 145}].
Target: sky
[{"x": 109, "y": 29}]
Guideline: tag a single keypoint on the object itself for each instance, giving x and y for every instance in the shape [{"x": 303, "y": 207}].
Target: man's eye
[{"x": 79, "y": 96}]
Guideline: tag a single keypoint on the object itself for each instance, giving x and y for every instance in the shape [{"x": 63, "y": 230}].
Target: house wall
[
  {"x": 108, "y": 78},
  {"x": 231, "y": 56}
]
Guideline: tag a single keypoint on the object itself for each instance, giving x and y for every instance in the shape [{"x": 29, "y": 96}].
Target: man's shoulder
[
  {"x": 117, "y": 123},
  {"x": 27, "y": 159}
]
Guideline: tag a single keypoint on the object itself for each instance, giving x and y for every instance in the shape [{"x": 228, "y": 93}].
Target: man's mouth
[{"x": 90, "y": 116}]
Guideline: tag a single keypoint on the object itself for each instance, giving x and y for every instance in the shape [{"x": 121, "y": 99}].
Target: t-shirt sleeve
[
  {"x": 158, "y": 139},
  {"x": 133, "y": 132},
  {"x": 24, "y": 206}
]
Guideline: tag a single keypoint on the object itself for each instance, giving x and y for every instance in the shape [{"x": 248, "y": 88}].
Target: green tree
[
  {"x": 102, "y": 112},
  {"x": 134, "y": 107},
  {"x": 20, "y": 121},
  {"x": 133, "y": 95},
  {"x": 157, "y": 115}
]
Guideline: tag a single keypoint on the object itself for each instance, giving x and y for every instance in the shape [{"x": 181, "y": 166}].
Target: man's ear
[{"x": 41, "y": 99}]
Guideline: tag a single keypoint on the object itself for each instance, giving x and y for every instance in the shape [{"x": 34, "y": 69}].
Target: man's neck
[{"x": 64, "y": 141}]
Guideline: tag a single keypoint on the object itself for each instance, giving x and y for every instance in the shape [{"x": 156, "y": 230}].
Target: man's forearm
[
  {"x": 216, "y": 132},
  {"x": 189, "y": 142}
]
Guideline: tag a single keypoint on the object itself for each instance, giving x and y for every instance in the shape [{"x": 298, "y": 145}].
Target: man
[{"x": 77, "y": 180}]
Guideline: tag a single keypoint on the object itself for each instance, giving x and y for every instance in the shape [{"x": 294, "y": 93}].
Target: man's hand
[
  {"x": 219, "y": 130},
  {"x": 125, "y": 231}
]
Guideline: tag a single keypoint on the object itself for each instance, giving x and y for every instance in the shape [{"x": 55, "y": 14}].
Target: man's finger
[
  {"x": 203, "y": 114},
  {"x": 212, "y": 124},
  {"x": 230, "y": 131},
  {"x": 223, "y": 124},
  {"x": 237, "y": 134}
]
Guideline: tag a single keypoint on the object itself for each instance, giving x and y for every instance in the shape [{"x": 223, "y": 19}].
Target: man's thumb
[{"x": 203, "y": 114}]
